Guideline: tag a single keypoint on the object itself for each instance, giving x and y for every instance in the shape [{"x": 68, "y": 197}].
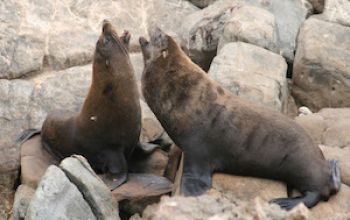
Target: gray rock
[
  {"x": 289, "y": 15},
  {"x": 57, "y": 198},
  {"x": 23, "y": 197},
  {"x": 94, "y": 191},
  {"x": 251, "y": 25},
  {"x": 337, "y": 11},
  {"x": 202, "y": 3},
  {"x": 202, "y": 30},
  {"x": 252, "y": 73},
  {"x": 60, "y": 90},
  {"x": 322, "y": 79}
]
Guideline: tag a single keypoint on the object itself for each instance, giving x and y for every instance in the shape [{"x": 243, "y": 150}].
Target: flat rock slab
[
  {"x": 252, "y": 73},
  {"x": 142, "y": 185},
  {"x": 34, "y": 161},
  {"x": 57, "y": 198}
]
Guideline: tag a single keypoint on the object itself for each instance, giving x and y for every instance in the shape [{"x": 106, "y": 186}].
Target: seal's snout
[
  {"x": 143, "y": 42},
  {"x": 106, "y": 27}
]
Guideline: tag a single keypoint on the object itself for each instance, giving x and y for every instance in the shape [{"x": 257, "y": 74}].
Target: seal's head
[{"x": 111, "y": 50}]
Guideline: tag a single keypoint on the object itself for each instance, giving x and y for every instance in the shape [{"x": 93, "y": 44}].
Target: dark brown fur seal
[
  {"x": 107, "y": 129},
  {"x": 218, "y": 131}
]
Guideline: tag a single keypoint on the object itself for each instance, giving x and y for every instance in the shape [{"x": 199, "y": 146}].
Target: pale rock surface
[
  {"x": 252, "y": 73},
  {"x": 337, "y": 11},
  {"x": 57, "y": 198},
  {"x": 251, "y": 25},
  {"x": 321, "y": 73},
  {"x": 23, "y": 196}
]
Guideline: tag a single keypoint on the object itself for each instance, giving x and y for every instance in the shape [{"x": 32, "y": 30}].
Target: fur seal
[
  {"x": 107, "y": 129},
  {"x": 218, "y": 131}
]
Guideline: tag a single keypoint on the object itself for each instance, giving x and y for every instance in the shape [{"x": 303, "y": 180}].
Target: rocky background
[{"x": 282, "y": 54}]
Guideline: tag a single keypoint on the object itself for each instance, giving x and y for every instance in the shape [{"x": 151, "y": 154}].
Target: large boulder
[
  {"x": 252, "y": 73},
  {"x": 23, "y": 196},
  {"x": 321, "y": 73},
  {"x": 337, "y": 11},
  {"x": 57, "y": 198},
  {"x": 94, "y": 191},
  {"x": 251, "y": 25}
]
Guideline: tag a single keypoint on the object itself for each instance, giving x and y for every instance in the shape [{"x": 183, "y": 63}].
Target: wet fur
[{"x": 219, "y": 131}]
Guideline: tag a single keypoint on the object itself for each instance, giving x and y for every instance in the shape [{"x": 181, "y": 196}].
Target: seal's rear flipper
[
  {"x": 310, "y": 199},
  {"x": 336, "y": 179},
  {"x": 26, "y": 135}
]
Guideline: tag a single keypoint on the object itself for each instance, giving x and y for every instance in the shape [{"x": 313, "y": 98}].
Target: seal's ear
[{"x": 125, "y": 39}]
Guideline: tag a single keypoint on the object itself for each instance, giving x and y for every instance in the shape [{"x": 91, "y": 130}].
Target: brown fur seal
[
  {"x": 108, "y": 126},
  {"x": 218, "y": 131}
]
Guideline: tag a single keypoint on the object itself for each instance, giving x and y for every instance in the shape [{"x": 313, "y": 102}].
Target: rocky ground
[{"x": 282, "y": 54}]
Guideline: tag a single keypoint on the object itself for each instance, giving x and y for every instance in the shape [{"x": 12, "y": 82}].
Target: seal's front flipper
[
  {"x": 310, "y": 199},
  {"x": 26, "y": 135},
  {"x": 196, "y": 177},
  {"x": 117, "y": 171}
]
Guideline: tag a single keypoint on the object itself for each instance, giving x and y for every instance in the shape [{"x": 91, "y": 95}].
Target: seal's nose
[
  {"x": 143, "y": 42},
  {"x": 106, "y": 26}
]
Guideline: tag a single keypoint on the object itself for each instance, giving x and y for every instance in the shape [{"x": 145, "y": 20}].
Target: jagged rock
[
  {"x": 140, "y": 191},
  {"x": 337, "y": 11},
  {"x": 34, "y": 161},
  {"x": 153, "y": 163},
  {"x": 215, "y": 207},
  {"x": 251, "y": 25},
  {"x": 23, "y": 196},
  {"x": 202, "y": 3},
  {"x": 174, "y": 162},
  {"x": 321, "y": 79},
  {"x": 342, "y": 155},
  {"x": 57, "y": 198},
  {"x": 317, "y": 5},
  {"x": 202, "y": 30},
  {"x": 94, "y": 191},
  {"x": 151, "y": 129},
  {"x": 252, "y": 73}
]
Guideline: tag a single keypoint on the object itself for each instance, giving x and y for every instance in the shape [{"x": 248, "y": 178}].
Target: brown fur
[
  {"x": 108, "y": 126},
  {"x": 218, "y": 131}
]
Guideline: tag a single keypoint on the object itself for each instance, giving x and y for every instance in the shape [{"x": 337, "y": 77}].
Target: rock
[
  {"x": 289, "y": 15},
  {"x": 60, "y": 90},
  {"x": 304, "y": 111},
  {"x": 337, "y": 11},
  {"x": 322, "y": 79},
  {"x": 251, "y": 25},
  {"x": 34, "y": 161},
  {"x": 23, "y": 197},
  {"x": 252, "y": 73},
  {"x": 15, "y": 102},
  {"x": 337, "y": 134},
  {"x": 94, "y": 191},
  {"x": 314, "y": 125},
  {"x": 202, "y": 3},
  {"x": 247, "y": 188},
  {"x": 57, "y": 198},
  {"x": 215, "y": 207},
  {"x": 342, "y": 155},
  {"x": 154, "y": 163},
  {"x": 202, "y": 30},
  {"x": 142, "y": 185},
  {"x": 174, "y": 162},
  {"x": 140, "y": 191},
  {"x": 317, "y": 5},
  {"x": 151, "y": 129},
  {"x": 328, "y": 126}
]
